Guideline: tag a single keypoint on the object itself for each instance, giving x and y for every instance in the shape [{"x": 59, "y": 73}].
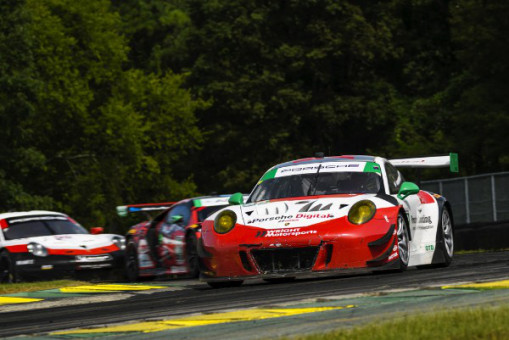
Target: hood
[
  {"x": 74, "y": 241},
  {"x": 289, "y": 213}
]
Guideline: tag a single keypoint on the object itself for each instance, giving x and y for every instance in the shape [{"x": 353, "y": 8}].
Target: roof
[
  {"x": 30, "y": 213},
  {"x": 312, "y": 160}
]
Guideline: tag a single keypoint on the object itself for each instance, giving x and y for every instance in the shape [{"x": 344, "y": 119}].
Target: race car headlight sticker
[
  {"x": 119, "y": 242},
  {"x": 361, "y": 212},
  {"x": 37, "y": 249},
  {"x": 225, "y": 221}
]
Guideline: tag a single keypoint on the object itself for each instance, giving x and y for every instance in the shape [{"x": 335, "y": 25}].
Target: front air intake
[{"x": 274, "y": 261}]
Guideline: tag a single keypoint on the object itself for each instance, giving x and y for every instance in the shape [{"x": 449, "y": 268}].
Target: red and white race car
[
  {"x": 329, "y": 214},
  {"x": 46, "y": 243},
  {"x": 168, "y": 243}
]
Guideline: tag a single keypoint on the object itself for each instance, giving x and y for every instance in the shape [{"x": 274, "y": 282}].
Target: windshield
[
  {"x": 41, "y": 226},
  {"x": 319, "y": 183},
  {"x": 207, "y": 211}
]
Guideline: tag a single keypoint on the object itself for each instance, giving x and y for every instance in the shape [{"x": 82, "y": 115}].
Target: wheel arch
[{"x": 405, "y": 216}]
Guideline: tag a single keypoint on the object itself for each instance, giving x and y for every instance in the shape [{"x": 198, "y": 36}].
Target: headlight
[
  {"x": 361, "y": 212},
  {"x": 225, "y": 221},
  {"x": 119, "y": 242},
  {"x": 37, "y": 249}
]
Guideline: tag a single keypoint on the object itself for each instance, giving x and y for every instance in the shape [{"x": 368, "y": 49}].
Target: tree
[{"x": 89, "y": 134}]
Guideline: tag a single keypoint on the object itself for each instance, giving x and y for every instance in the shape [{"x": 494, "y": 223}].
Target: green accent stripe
[
  {"x": 372, "y": 167},
  {"x": 268, "y": 175},
  {"x": 197, "y": 203}
]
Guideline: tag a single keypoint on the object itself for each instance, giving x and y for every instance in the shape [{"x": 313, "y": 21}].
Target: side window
[
  {"x": 394, "y": 177},
  {"x": 183, "y": 210}
]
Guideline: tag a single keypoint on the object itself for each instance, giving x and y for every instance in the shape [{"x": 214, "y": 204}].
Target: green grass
[
  {"x": 455, "y": 324},
  {"x": 11, "y": 288}
]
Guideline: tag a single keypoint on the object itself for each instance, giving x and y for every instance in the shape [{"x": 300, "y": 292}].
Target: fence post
[
  {"x": 494, "y": 198},
  {"x": 467, "y": 203}
]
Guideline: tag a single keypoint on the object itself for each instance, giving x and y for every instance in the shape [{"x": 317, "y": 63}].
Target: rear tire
[
  {"x": 132, "y": 268},
  {"x": 445, "y": 237},
  {"x": 225, "y": 284},
  {"x": 403, "y": 242},
  {"x": 8, "y": 272}
]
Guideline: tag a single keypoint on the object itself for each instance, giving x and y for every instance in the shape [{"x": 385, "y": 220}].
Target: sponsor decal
[
  {"x": 286, "y": 218},
  {"x": 273, "y": 218},
  {"x": 312, "y": 207},
  {"x": 429, "y": 247},
  {"x": 311, "y": 216},
  {"x": 425, "y": 219},
  {"x": 37, "y": 218},
  {"x": 393, "y": 256},
  {"x": 24, "y": 262},
  {"x": 285, "y": 232},
  {"x": 312, "y": 168},
  {"x": 425, "y": 222}
]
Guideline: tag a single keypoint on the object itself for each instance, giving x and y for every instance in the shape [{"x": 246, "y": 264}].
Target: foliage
[
  {"x": 107, "y": 102},
  {"x": 94, "y": 134}
]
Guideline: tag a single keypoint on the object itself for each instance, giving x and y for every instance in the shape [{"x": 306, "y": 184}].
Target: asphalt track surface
[{"x": 199, "y": 298}]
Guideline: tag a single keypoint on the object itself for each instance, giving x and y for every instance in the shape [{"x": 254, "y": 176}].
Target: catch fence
[{"x": 475, "y": 199}]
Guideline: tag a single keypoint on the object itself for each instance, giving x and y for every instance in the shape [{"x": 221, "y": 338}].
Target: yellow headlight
[
  {"x": 361, "y": 212},
  {"x": 225, "y": 221}
]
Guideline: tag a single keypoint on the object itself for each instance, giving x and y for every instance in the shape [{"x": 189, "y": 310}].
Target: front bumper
[
  {"x": 328, "y": 249},
  {"x": 29, "y": 265}
]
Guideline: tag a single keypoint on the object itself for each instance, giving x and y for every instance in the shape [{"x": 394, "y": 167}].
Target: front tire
[
  {"x": 132, "y": 268},
  {"x": 8, "y": 272},
  {"x": 403, "y": 242}
]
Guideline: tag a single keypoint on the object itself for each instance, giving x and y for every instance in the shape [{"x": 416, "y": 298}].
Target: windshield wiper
[{"x": 314, "y": 182}]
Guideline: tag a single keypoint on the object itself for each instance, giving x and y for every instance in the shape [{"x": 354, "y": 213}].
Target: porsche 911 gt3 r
[
  {"x": 167, "y": 244},
  {"x": 46, "y": 243},
  {"x": 326, "y": 214}
]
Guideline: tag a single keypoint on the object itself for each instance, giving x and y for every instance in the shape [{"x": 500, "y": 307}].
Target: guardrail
[{"x": 475, "y": 199}]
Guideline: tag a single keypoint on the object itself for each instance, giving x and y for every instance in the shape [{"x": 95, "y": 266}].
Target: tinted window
[
  {"x": 182, "y": 210},
  {"x": 323, "y": 183},
  {"x": 394, "y": 177},
  {"x": 33, "y": 227}
]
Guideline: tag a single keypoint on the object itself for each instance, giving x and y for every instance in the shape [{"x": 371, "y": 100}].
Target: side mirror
[
  {"x": 176, "y": 218},
  {"x": 236, "y": 199},
  {"x": 407, "y": 189},
  {"x": 96, "y": 230}
]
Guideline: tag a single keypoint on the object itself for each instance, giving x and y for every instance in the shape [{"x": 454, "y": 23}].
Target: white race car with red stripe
[
  {"x": 326, "y": 214},
  {"x": 38, "y": 243}
]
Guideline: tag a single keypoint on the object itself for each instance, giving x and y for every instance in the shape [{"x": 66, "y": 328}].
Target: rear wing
[
  {"x": 450, "y": 161},
  {"x": 124, "y": 210}
]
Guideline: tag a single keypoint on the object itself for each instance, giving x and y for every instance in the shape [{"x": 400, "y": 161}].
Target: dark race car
[
  {"x": 168, "y": 243},
  {"x": 36, "y": 244}
]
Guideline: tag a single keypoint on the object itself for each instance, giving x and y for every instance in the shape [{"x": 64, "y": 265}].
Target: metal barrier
[{"x": 475, "y": 199}]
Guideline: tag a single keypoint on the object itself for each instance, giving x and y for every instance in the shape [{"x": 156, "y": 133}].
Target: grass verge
[
  {"x": 472, "y": 323},
  {"x": 11, "y": 288}
]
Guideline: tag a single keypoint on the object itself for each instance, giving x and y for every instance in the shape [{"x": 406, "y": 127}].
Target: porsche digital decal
[{"x": 285, "y": 218}]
